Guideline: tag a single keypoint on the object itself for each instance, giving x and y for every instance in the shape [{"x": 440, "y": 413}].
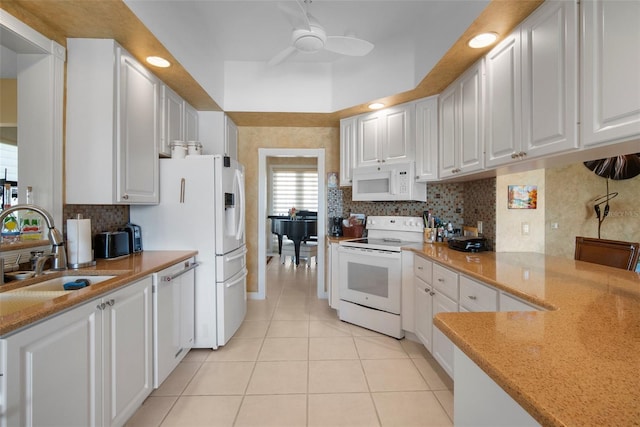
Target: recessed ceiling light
[
  {"x": 483, "y": 40},
  {"x": 376, "y": 105},
  {"x": 158, "y": 61}
]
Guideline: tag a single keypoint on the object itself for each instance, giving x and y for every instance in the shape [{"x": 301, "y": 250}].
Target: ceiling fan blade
[
  {"x": 281, "y": 56},
  {"x": 295, "y": 14},
  {"x": 346, "y": 45}
]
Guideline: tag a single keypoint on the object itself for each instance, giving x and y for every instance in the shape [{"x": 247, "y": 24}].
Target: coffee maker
[{"x": 335, "y": 227}]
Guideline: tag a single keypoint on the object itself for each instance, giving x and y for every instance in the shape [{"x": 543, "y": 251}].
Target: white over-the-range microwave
[{"x": 385, "y": 182}]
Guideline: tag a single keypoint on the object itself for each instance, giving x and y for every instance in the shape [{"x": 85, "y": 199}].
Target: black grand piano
[{"x": 302, "y": 228}]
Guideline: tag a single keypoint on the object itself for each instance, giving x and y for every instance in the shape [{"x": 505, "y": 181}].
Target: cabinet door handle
[
  {"x": 419, "y": 268},
  {"x": 101, "y": 306},
  {"x": 440, "y": 279},
  {"x": 125, "y": 196},
  {"x": 111, "y": 302},
  {"x": 182, "y": 185},
  {"x": 432, "y": 293},
  {"x": 472, "y": 297}
]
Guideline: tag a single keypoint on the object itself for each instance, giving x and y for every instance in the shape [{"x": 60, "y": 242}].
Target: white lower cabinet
[
  {"x": 424, "y": 313},
  {"x": 442, "y": 346},
  {"x": 475, "y": 296},
  {"x": 173, "y": 317},
  {"x": 438, "y": 289},
  {"x": 89, "y": 366},
  {"x": 333, "y": 275},
  {"x": 127, "y": 353}
]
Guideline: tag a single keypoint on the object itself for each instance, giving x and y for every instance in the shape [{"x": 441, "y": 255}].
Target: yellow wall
[
  {"x": 8, "y": 102},
  {"x": 250, "y": 139}
]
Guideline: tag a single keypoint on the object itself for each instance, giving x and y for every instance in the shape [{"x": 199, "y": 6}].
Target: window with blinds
[{"x": 294, "y": 187}]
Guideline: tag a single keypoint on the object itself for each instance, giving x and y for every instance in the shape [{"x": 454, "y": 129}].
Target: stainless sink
[{"x": 57, "y": 284}]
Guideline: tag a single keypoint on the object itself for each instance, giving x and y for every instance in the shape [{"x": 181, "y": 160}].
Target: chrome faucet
[{"x": 58, "y": 252}]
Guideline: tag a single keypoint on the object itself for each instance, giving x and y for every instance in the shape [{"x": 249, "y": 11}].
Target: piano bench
[{"x": 308, "y": 250}]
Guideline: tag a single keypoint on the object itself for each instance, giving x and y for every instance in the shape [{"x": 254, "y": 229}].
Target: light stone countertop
[
  {"x": 16, "y": 313},
  {"x": 577, "y": 364}
]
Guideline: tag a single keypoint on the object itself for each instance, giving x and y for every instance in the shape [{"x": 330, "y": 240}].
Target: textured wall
[
  {"x": 570, "y": 192},
  {"x": 509, "y": 236},
  {"x": 250, "y": 139}
]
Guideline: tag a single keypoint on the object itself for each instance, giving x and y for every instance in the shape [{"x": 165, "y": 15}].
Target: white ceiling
[{"x": 225, "y": 46}]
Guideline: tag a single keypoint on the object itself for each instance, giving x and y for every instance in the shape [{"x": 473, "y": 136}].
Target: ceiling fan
[{"x": 308, "y": 36}]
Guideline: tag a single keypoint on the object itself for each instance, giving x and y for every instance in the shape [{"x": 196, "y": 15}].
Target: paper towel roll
[{"x": 79, "y": 241}]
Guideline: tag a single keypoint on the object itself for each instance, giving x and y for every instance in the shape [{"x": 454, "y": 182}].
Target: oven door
[{"x": 371, "y": 278}]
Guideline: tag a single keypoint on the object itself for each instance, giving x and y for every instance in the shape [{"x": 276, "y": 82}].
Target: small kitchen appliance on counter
[
  {"x": 135, "y": 237},
  {"x": 111, "y": 244},
  {"x": 468, "y": 243},
  {"x": 336, "y": 227}
]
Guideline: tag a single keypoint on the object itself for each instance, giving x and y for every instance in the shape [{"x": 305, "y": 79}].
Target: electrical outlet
[
  {"x": 554, "y": 225},
  {"x": 479, "y": 227},
  {"x": 525, "y": 228}
]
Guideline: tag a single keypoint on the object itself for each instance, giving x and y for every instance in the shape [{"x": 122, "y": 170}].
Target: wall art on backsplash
[{"x": 523, "y": 197}]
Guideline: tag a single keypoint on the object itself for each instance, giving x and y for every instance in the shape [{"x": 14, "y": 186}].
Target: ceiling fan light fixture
[
  {"x": 309, "y": 43},
  {"x": 376, "y": 105},
  {"x": 483, "y": 40},
  {"x": 158, "y": 61}
]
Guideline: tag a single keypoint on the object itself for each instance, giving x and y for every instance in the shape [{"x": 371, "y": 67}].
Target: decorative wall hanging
[
  {"x": 523, "y": 197},
  {"x": 616, "y": 168}
]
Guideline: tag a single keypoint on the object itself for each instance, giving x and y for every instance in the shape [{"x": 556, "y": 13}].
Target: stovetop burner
[{"x": 390, "y": 233}]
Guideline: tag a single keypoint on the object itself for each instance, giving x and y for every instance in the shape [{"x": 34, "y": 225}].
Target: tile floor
[{"x": 293, "y": 363}]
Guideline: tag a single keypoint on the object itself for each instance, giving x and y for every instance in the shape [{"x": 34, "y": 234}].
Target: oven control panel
[{"x": 395, "y": 223}]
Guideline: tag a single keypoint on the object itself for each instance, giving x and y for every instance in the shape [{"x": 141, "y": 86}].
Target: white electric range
[{"x": 371, "y": 273}]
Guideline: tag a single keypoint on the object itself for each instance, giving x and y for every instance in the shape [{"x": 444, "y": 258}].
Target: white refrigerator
[{"x": 202, "y": 207}]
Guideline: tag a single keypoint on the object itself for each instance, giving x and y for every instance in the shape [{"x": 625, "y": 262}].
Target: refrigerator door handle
[
  {"x": 240, "y": 255},
  {"x": 240, "y": 229},
  {"x": 245, "y": 273}
]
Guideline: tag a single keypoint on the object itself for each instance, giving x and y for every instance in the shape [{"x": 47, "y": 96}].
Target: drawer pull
[
  {"x": 440, "y": 279},
  {"x": 419, "y": 268},
  {"x": 473, "y": 297}
]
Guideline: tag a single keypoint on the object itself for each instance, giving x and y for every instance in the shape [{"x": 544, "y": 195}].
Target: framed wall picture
[{"x": 523, "y": 197}]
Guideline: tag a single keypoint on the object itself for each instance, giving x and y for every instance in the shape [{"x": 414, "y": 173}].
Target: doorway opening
[{"x": 264, "y": 233}]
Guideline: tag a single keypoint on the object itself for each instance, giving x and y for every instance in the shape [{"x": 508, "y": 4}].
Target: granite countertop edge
[
  {"x": 127, "y": 270},
  {"x": 570, "y": 290}
]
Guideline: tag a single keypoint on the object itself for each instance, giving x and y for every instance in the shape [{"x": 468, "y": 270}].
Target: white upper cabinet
[
  {"x": 191, "y": 131},
  {"x": 427, "y": 139},
  {"x": 610, "y": 71},
  {"x": 460, "y": 142},
  {"x": 348, "y": 131},
  {"x": 218, "y": 133},
  {"x": 549, "y": 39},
  {"x": 172, "y": 120},
  {"x": 503, "y": 101},
  {"x": 230, "y": 138},
  {"x": 531, "y": 87},
  {"x": 113, "y": 126},
  {"x": 385, "y": 136},
  {"x": 179, "y": 121}
]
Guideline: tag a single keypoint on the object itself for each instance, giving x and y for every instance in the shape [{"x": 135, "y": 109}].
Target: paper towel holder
[{"x": 76, "y": 266}]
